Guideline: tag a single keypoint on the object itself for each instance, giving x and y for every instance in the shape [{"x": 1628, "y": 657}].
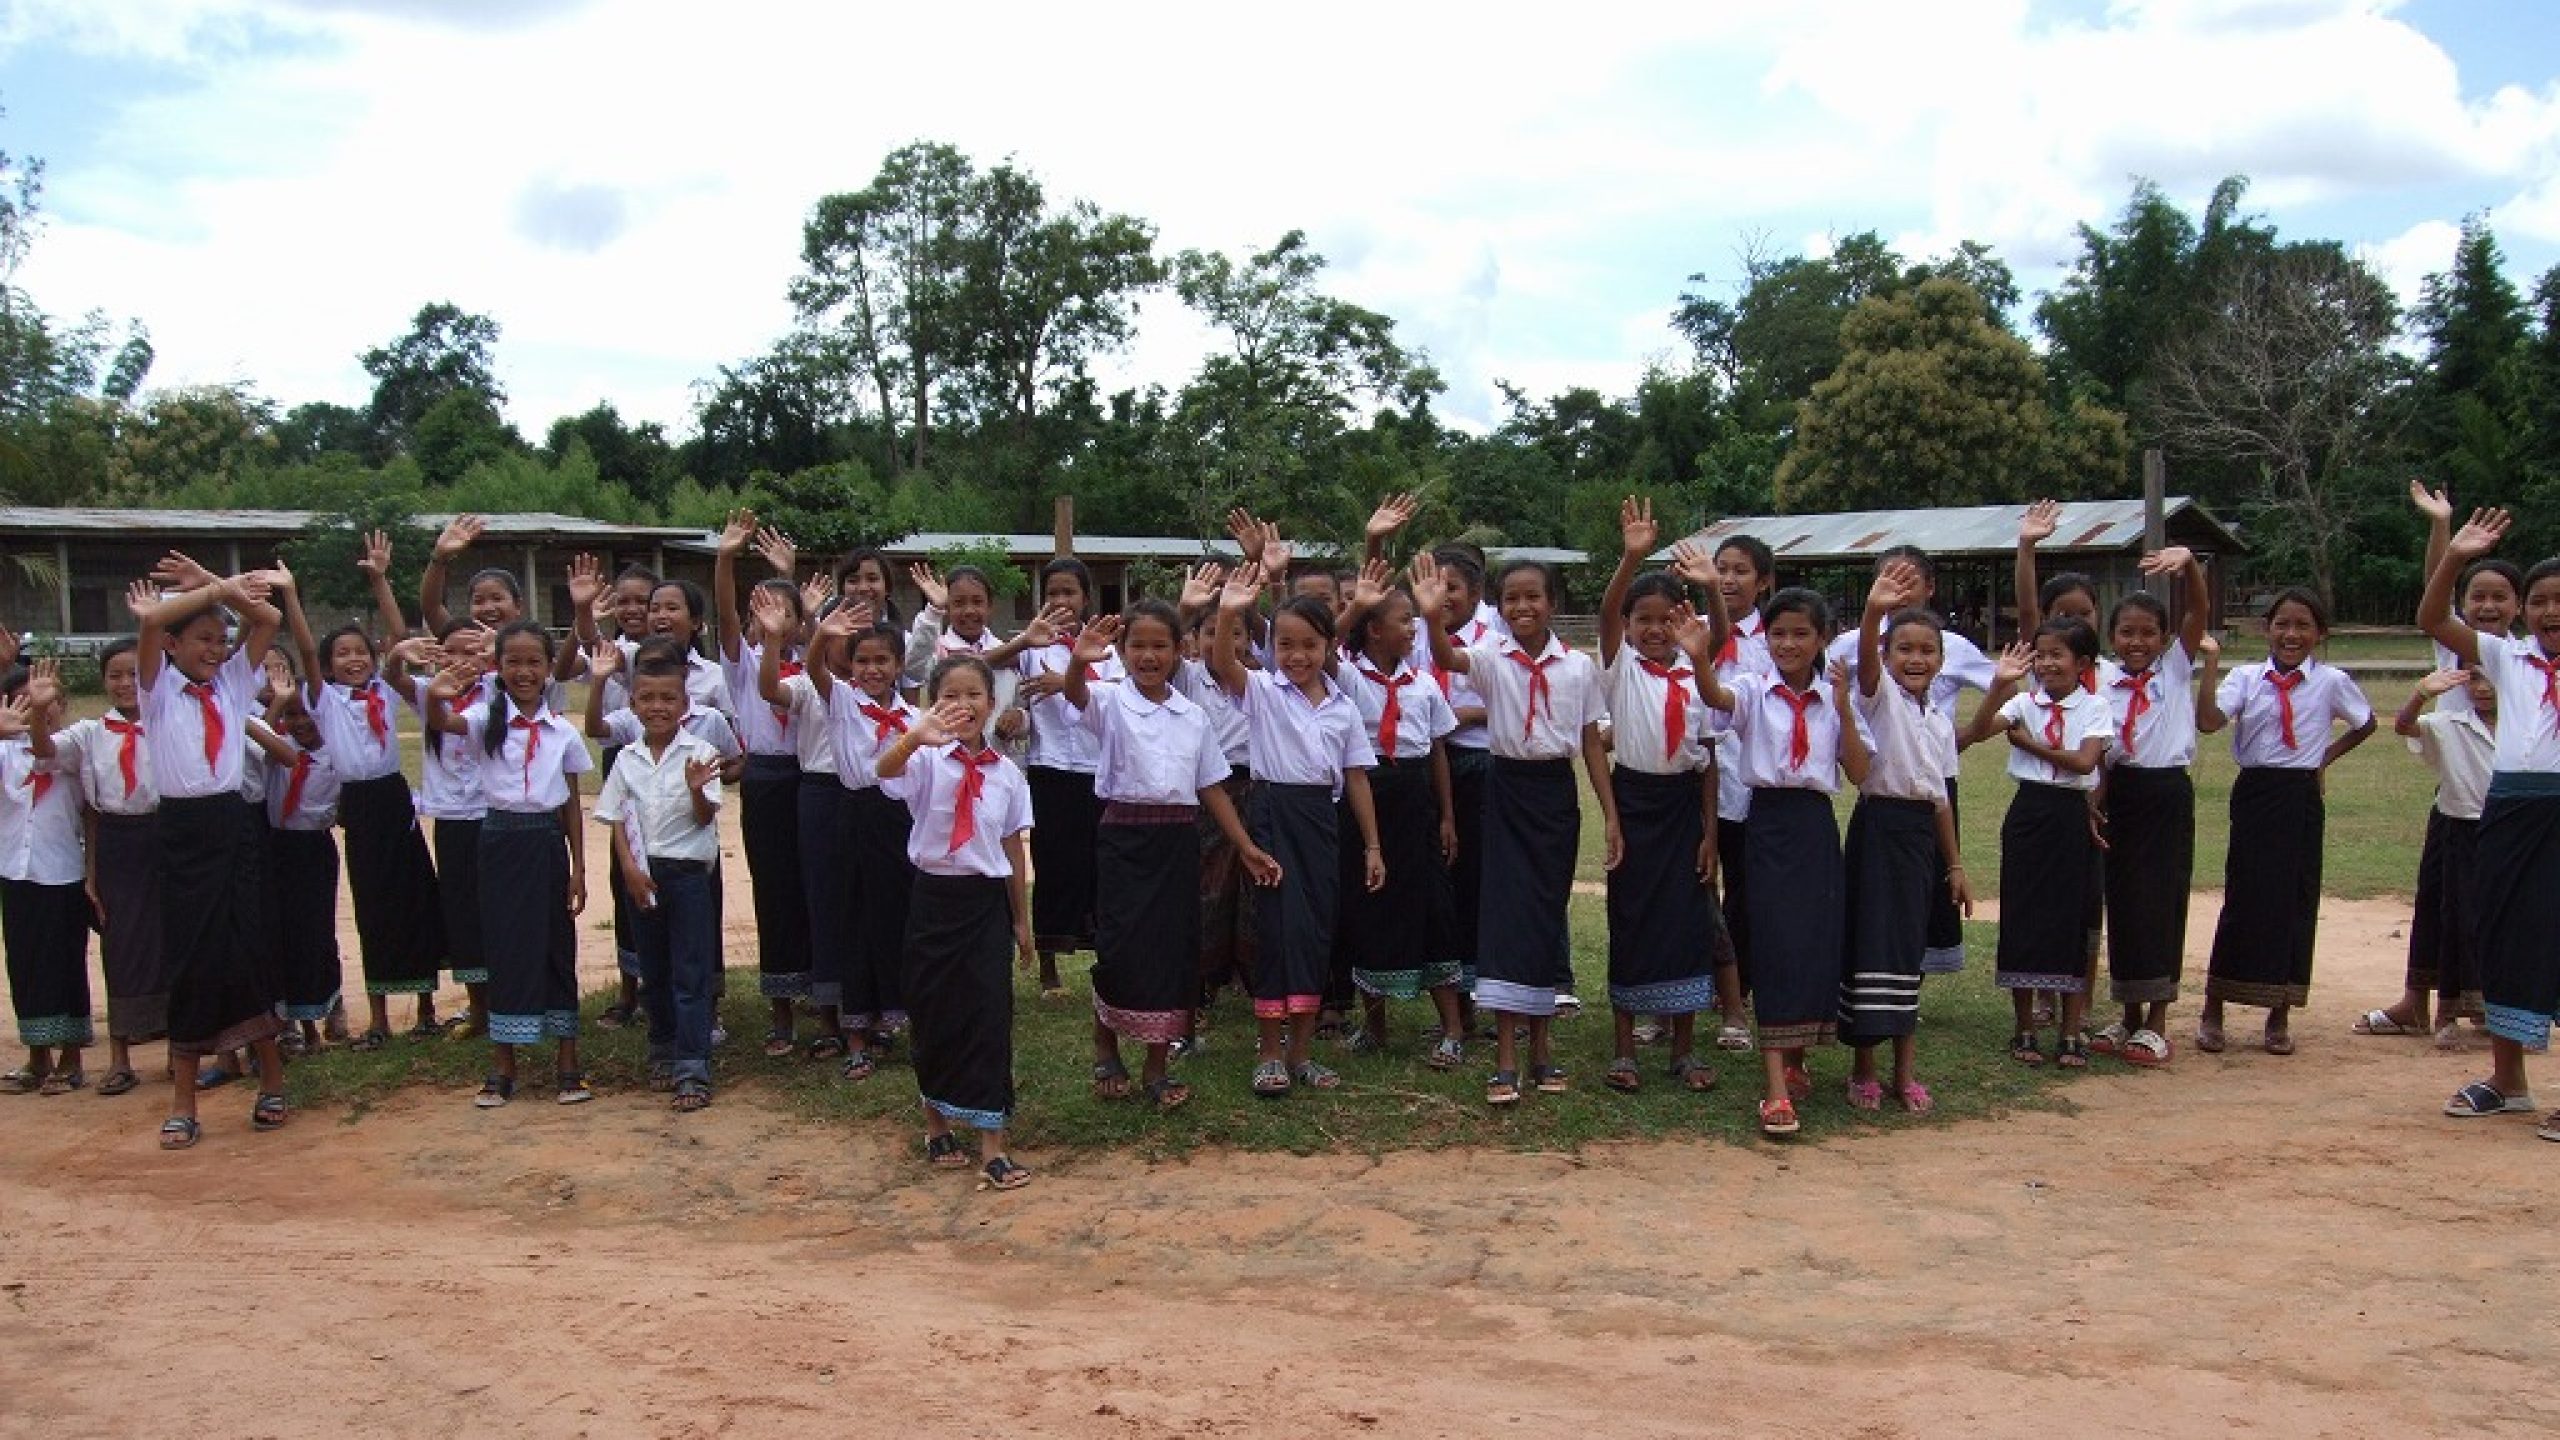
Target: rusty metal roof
[
  {"x": 2087, "y": 526},
  {"x": 156, "y": 524}
]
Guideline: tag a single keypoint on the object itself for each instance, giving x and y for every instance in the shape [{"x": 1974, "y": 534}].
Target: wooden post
[
  {"x": 1062, "y": 526},
  {"x": 2155, "y": 513},
  {"x": 62, "y": 581}
]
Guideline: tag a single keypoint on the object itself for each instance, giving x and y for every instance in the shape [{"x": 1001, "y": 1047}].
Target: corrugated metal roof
[
  {"x": 1126, "y": 547},
  {"x": 2087, "y": 525},
  {"x": 74, "y": 520}
]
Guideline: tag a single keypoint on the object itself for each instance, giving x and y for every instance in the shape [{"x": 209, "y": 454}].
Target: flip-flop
[
  {"x": 178, "y": 1132},
  {"x": 1002, "y": 1174},
  {"x": 2549, "y": 1129},
  {"x": 2379, "y": 1022},
  {"x": 2480, "y": 1098},
  {"x": 1622, "y": 1077},
  {"x": 2277, "y": 1042},
  {"x": 1866, "y": 1094},
  {"x": 21, "y": 1082},
  {"x": 1778, "y": 1117},
  {"x": 1271, "y": 1079},
  {"x": 1447, "y": 1055},
  {"x": 62, "y": 1082},
  {"x": 118, "y": 1082},
  {"x": 1696, "y": 1074},
  {"x": 213, "y": 1077},
  {"x": 2109, "y": 1040},
  {"x": 1736, "y": 1038},
  {"x": 1314, "y": 1076},
  {"x": 2148, "y": 1049},
  {"x": 1915, "y": 1098}
]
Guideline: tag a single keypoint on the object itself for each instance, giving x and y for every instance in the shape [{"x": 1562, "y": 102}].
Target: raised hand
[
  {"x": 278, "y": 576},
  {"x": 1246, "y": 531},
  {"x": 471, "y": 645},
  {"x": 44, "y": 685},
  {"x": 177, "y": 571},
  {"x": 2436, "y": 505},
  {"x": 1275, "y": 552},
  {"x": 2441, "y": 681},
  {"x": 2013, "y": 664},
  {"x": 2210, "y": 648},
  {"x": 1393, "y": 514},
  {"x": 929, "y": 584},
  {"x": 698, "y": 774},
  {"x": 2480, "y": 534},
  {"x": 1430, "y": 592},
  {"x": 17, "y": 717},
  {"x": 841, "y": 623},
  {"x": 418, "y": 652},
  {"x": 1369, "y": 587},
  {"x": 458, "y": 535},
  {"x": 1094, "y": 642},
  {"x": 375, "y": 562},
  {"x": 603, "y": 660},
  {"x": 1242, "y": 589},
  {"x": 454, "y": 681},
  {"x": 1200, "y": 587},
  {"x": 2043, "y": 517},
  {"x": 250, "y": 589},
  {"x": 1837, "y": 672},
  {"x": 1637, "y": 533},
  {"x": 735, "y": 536},
  {"x": 1046, "y": 626},
  {"x": 779, "y": 551},
  {"x": 942, "y": 724},
  {"x": 2168, "y": 561},
  {"x": 1691, "y": 632},
  {"x": 1897, "y": 585},
  {"x": 605, "y": 610},
  {"x": 815, "y": 592},
  {"x": 773, "y": 614},
  {"x": 141, "y": 598},
  {"x": 586, "y": 586}
]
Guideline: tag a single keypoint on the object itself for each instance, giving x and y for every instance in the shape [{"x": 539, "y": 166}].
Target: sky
[{"x": 273, "y": 188}]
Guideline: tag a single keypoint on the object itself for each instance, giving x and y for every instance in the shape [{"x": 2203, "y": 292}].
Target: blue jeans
[{"x": 679, "y": 960}]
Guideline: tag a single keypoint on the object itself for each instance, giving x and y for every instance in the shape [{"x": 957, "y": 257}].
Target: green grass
[{"x": 1388, "y": 1102}]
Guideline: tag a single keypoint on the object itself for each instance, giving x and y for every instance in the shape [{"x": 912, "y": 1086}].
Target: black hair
[
  {"x": 2082, "y": 640},
  {"x": 1915, "y": 615},
  {"x": 1918, "y": 557},
  {"x": 121, "y": 645},
  {"x": 2063, "y": 584},
  {"x": 968, "y": 572},
  {"x": 494, "y": 734},
  {"x": 14, "y": 681},
  {"x": 1448, "y": 550},
  {"x": 2302, "y": 596},
  {"x": 329, "y": 642},
  {"x": 786, "y": 589},
  {"x": 696, "y": 603},
  {"x": 1546, "y": 575},
  {"x": 2144, "y": 601},
  {"x": 1797, "y": 600},
  {"x": 1464, "y": 561},
  {"x": 1357, "y": 642},
  {"x": 660, "y": 655},
  {"x": 1763, "y": 559},
  {"x": 505, "y": 578},
  {"x": 2542, "y": 570},
  {"x": 2492, "y": 565},
  {"x": 1069, "y": 565},
  {"x": 1154, "y": 609},
  {"x": 882, "y": 631},
  {"x": 1308, "y": 608},
  {"x": 1654, "y": 582},
  {"x": 635, "y": 572},
  {"x": 853, "y": 561},
  {"x": 943, "y": 667}
]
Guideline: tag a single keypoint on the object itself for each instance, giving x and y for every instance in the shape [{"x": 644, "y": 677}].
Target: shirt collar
[{"x": 1555, "y": 647}]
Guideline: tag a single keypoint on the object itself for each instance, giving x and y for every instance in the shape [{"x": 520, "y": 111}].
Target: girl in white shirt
[
  {"x": 2058, "y": 732},
  {"x": 2281, "y": 711},
  {"x": 1743, "y": 572},
  {"x": 2459, "y": 743},
  {"x": 44, "y": 910},
  {"x": 971, "y": 817},
  {"x": 1401, "y": 941},
  {"x": 304, "y": 791},
  {"x": 769, "y": 786},
  {"x": 533, "y": 854},
  {"x": 104, "y": 759},
  {"x": 1060, "y": 765}
]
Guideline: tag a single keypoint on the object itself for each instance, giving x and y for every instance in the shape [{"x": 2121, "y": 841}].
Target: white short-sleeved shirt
[
  {"x": 2081, "y": 715},
  {"x": 347, "y": 717},
  {"x": 1906, "y": 737},
  {"x": 315, "y": 806},
  {"x": 530, "y": 772},
  {"x": 860, "y": 728},
  {"x": 1639, "y": 702},
  {"x": 812, "y": 733},
  {"x": 653, "y": 789},
  {"x": 1151, "y": 752},
  {"x": 706, "y": 684},
  {"x": 173, "y": 728},
  {"x": 104, "y": 755},
  {"x": 2528, "y": 723},
  {"x": 40, "y": 834},
  {"x": 622, "y": 727},
  {"x": 2325, "y": 693},
  {"x": 762, "y": 728},
  {"x": 1571, "y": 698},
  {"x": 448, "y": 770},
  {"x": 1764, "y": 725},
  {"x": 2163, "y": 736},
  {"x": 1297, "y": 741},
  {"x": 1745, "y": 652},
  {"x": 931, "y": 785},
  {"x": 1423, "y": 714},
  {"x": 1485, "y": 627},
  {"x": 2459, "y": 747},
  {"x": 1965, "y": 668},
  {"x": 1226, "y": 717},
  {"x": 1059, "y": 740}
]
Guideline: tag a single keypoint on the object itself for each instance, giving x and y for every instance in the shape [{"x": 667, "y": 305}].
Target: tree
[
  {"x": 447, "y": 350},
  {"x": 635, "y": 457},
  {"x": 1935, "y": 404},
  {"x": 172, "y": 438},
  {"x": 831, "y": 509},
  {"x": 1042, "y": 293},
  {"x": 2288, "y": 372},
  {"x": 779, "y": 412},
  {"x": 461, "y": 429},
  {"x": 318, "y": 427},
  {"x": 324, "y": 555}
]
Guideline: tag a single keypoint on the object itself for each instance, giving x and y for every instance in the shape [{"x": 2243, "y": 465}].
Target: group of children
[{"x": 1341, "y": 791}]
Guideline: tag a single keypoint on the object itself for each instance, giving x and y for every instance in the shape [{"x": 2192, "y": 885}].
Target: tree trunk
[{"x": 924, "y": 399}]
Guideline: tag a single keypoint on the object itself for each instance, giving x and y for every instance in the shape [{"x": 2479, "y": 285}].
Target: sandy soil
[{"x": 2240, "y": 1244}]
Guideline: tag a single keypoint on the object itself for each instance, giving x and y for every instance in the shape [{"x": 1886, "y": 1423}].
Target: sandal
[
  {"x": 1778, "y": 1117},
  {"x": 370, "y": 1041},
  {"x": 1502, "y": 1089},
  {"x": 118, "y": 1082},
  {"x": 269, "y": 1113},
  {"x": 1003, "y": 1174},
  {"x": 945, "y": 1152},
  {"x": 614, "y": 1016},
  {"x": 857, "y": 1066},
  {"x": 2549, "y": 1129},
  {"x": 214, "y": 1077},
  {"x": 1866, "y": 1094},
  {"x": 826, "y": 1047},
  {"x": 2072, "y": 1052},
  {"x": 692, "y": 1095},
  {"x": 1549, "y": 1079},
  {"x": 1622, "y": 1075},
  {"x": 427, "y": 1029},
  {"x": 1110, "y": 1080},
  {"x": 1733, "y": 1037},
  {"x": 2024, "y": 1048},
  {"x": 1799, "y": 1084},
  {"x": 1314, "y": 1076},
  {"x": 495, "y": 1091},
  {"x": 2110, "y": 1040},
  {"x": 1649, "y": 1031},
  {"x": 779, "y": 1043},
  {"x": 2146, "y": 1048},
  {"x": 1694, "y": 1073},
  {"x": 180, "y": 1131},
  {"x": 21, "y": 1082},
  {"x": 62, "y": 1082},
  {"x": 1915, "y": 1099},
  {"x": 1166, "y": 1093},
  {"x": 2482, "y": 1098},
  {"x": 2379, "y": 1022},
  {"x": 2208, "y": 1037},
  {"x": 1271, "y": 1079},
  {"x": 573, "y": 1089},
  {"x": 2277, "y": 1042},
  {"x": 1449, "y": 1054}
]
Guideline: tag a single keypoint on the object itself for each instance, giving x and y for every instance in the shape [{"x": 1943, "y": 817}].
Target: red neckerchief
[
  {"x": 782, "y": 713},
  {"x": 1800, "y": 743},
  {"x": 293, "y": 787},
  {"x": 1392, "y": 715},
  {"x": 213, "y": 729},
  {"x": 974, "y": 766},
  {"x": 130, "y": 732},
  {"x": 1538, "y": 687},
  {"x": 374, "y": 717},
  {"x": 886, "y": 722},
  {"x": 2139, "y": 682},
  {"x": 2285, "y": 682},
  {"x": 2052, "y": 722},
  {"x": 1675, "y": 705},
  {"x": 2550, "y": 679},
  {"x": 532, "y": 729}
]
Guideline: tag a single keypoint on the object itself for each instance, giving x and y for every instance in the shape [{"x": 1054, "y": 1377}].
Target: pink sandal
[
  {"x": 1915, "y": 1099},
  {"x": 1866, "y": 1095}
]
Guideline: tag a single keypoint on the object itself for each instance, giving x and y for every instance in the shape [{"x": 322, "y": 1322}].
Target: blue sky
[{"x": 274, "y": 187}]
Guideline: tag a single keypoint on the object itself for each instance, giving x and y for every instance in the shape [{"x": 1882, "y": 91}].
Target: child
[
  {"x": 970, "y": 808},
  {"x": 44, "y": 910},
  {"x": 1662, "y": 917},
  {"x": 1902, "y": 847},
  {"x": 450, "y": 794},
  {"x": 2280, "y": 711},
  {"x": 1791, "y": 747},
  {"x": 1542, "y": 702},
  {"x": 769, "y": 788},
  {"x": 533, "y": 854},
  {"x": 954, "y": 622},
  {"x": 1464, "y": 614},
  {"x": 2518, "y": 889},
  {"x": 1306, "y": 745},
  {"x": 850, "y": 690},
  {"x": 2067, "y": 596},
  {"x": 123, "y": 854},
  {"x": 2148, "y": 802},
  {"x": 399, "y": 922},
  {"x": 2491, "y": 596},
  {"x": 1060, "y": 766},
  {"x": 304, "y": 792},
  {"x": 197, "y": 690},
  {"x": 2058, "y": 734},
  {"x": 2459, "y": 743},
  {"x": 862, "y": 580},
  {"x": 1401, "y": 941},
  {"x": 1157, "y": 765},
  {"x": 665, "y": 793},
  {"x": 1743, "y": 572},
  {"x": 1226, "y": 891}
]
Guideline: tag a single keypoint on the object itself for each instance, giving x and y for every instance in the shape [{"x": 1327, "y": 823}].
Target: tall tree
[
  {"x": 1044, "y": 292},
  {"x": 446, "y": 350},
  {"x": 884, "y": 270}
]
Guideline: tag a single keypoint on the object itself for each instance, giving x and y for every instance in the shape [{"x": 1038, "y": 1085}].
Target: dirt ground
[{"x": 2240, "y": 1244}]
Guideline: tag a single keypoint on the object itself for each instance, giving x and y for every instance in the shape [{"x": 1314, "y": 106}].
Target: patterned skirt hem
[
  {"x": 2523, "y": 1027},
  {"x": 2052, "y": 984},
  {"x": 247, "y": 1032},
  {"x": 313, "y": 1013},
  {"x": 1146, "y": 1027},
  {"x": 470, "y": 975},
  {"x": 963, "y": 1115},
  {"x": 2158, "y": 990},
  {"x": 1796, "y": 1037},
  {"x": 1686, "y": 996},
  {"x": 2466, "y": 1006},
  {"x": 1284, "y": 1008},
  {"x": 2263, "y": 995},
  {"x": 783, "y": 984},
  {"x": 1942, "y": 960},
  {"x": 560, "y": 1024},
  {"x": 51, "y": 1030},
  {"x": 1404, "y": 984},
  {"x": 515, "y": 1029},
  {"x": 1507, "y": 997},
  {"x": 401, "y": 987}
]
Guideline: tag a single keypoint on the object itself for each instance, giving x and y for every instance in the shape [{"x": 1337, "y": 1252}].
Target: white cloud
[{"x": 2406, "y": 260}]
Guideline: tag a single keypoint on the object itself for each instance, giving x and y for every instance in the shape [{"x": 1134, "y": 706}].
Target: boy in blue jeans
[{"x": 663, "y": 802}]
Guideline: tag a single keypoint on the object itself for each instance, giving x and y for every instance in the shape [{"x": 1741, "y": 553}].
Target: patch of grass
[{"x": 1388, "y": 1102}]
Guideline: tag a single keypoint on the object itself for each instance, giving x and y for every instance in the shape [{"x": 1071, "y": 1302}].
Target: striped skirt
[
  {"x": 1894, "y": 873},
  {"x": 1532, "y": 826}
]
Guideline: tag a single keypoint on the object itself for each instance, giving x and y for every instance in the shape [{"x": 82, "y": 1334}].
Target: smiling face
[
  {"x": 350, "y": 661},
  {"x": 1650, "y": 628},
  {"x": 1795, "y": 646},
  {"x": 659, "y": 702},
  {"x": 1298, "y": 648},
  {"x": 2542, "y": 613},
  {"x": 671, "y": 615},
  {"x": 1149, "y": 649},
  {"x": 1318, "y": 584},
  {"x": 2138, "y": 637},
  {"x": 963, "y": 686},
  {"x": 198, "y": 647},
  {"x": 875, "y": 666},
  {"x": 124, "y": 682},
  {"x": 2293, "y": 632},
  {"x": 1527, "y": 606},
  {"x": 1458, "y": 605},
  {"x": 524, "y": 668},
  {"x": 1913, "y": 654},
  {"x": 1738, "y": 580},
  {"x": 867, "y": 584},
  {"x": 2484, "y": 695},
  {"x": 2075, "y": 604},
  {"x": 631, "y": 606},
  {"x": 493, "y": 604},
  {"x": 291, "y": 718},
  {"x": 2055, "y": 667},
  {"x": 1387, "y": 636},
  {"x": 2489, "y": 603},
  {"x": 967, "y": 612}
]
